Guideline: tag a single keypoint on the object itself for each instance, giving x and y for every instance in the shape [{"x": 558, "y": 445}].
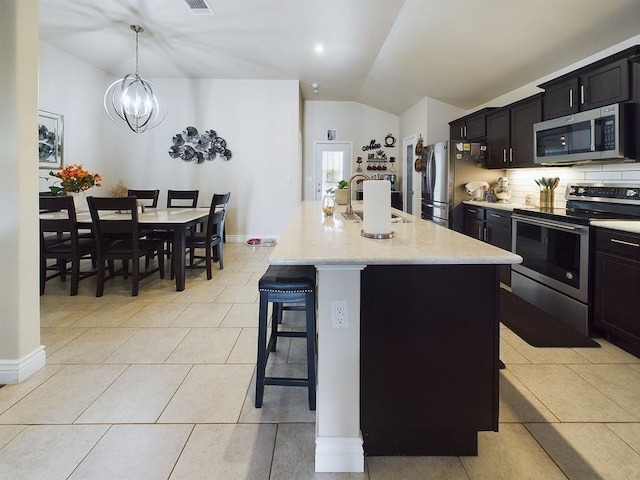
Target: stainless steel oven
[
  {"x": 555, "y": 253},
  {"x": 555, "y": 274}
]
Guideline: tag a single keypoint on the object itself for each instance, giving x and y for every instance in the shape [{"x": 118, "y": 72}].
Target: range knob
[
  {"x": 581, "y": 190},
  {"x": 632, "y": 192}
]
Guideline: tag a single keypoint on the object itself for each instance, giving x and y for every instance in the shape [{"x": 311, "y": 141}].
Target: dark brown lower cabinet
[
  {"x": 492, "y": 226},
  {"x": 616, "y": 299},
  {"x": 429, "y": 351}
]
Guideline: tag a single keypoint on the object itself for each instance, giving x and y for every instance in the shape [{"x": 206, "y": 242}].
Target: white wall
[
  {"x": 259, "y": 119},
  {"x": 354, "y": 122},
  {"x": 429, "y": 118}
]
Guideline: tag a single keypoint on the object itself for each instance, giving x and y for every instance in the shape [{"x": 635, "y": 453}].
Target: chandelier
[{"x": 131, "y": 102}]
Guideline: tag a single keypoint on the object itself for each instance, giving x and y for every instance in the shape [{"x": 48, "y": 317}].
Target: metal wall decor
[
  {"x": 191, "y": 146},
  {"x": 50, "y": 129}
]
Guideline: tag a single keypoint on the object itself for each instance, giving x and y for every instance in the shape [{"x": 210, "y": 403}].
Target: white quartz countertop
[
  {"x": 631, "y": 226},
  {"x": 312, "y": 238},
  {"x": 495, "y": 205}
]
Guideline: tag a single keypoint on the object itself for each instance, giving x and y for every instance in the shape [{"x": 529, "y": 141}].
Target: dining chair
[
  {"x": 211, "y": 239},
  {"x": 182, "y": 198},
  {"x": 60, "y": 241},
  {"x": 118, "y": 237},
  {"x": 175, "y": 199},
  {"x": 152, "y": 195}
]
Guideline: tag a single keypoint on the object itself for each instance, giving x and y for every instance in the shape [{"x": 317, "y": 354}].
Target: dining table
[{"x": 177, "y": 220}]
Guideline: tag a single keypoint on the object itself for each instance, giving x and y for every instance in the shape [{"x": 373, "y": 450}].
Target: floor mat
[{"x": 536, "y": 327}]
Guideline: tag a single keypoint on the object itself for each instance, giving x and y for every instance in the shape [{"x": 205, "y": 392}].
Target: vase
[
  {"x": 79, "y": 200},
  {"x": 546, "y": 199},
  {"x": 328, "y": 204},
  {"x": 341, "y": 196}
]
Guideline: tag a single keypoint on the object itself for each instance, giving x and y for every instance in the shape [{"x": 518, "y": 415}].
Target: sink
[{"x": 358, "y": 216}]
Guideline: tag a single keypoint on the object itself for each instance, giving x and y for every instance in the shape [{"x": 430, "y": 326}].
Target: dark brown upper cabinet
[
  {"x": 510, "y": 133},
  {"x": 601, "y": 83},
  {"x": 472, "y": 127}
]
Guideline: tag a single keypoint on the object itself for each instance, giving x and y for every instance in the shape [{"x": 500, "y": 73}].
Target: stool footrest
[
  {"x": 286, "y": 382},
  {"x": 292, "y": 334}
]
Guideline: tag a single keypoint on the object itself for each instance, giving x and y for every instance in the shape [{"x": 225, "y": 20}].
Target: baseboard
[
  {"x": 339, "y": 455},
  {"x": 16, "y": 371}
]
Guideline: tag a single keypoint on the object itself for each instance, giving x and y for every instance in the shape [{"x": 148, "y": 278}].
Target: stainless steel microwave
[{"x": 590, "y": 136}]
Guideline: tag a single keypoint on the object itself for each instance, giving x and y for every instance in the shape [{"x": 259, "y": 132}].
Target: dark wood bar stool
[{"x": 283, "y": 285}]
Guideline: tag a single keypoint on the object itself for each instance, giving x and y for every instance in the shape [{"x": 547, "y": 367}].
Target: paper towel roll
[{"x": 377, "y": 207}]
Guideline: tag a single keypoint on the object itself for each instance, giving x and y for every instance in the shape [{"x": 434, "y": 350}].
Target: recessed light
[{"x": 319, "y": 48}]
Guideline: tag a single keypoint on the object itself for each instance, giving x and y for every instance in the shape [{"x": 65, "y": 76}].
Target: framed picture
[
  {"x": 331, "y": 134},
  {"x": 50, "y": 139}
]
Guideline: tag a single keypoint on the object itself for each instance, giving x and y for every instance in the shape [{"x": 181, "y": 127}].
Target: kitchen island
[{"x": 413, "y": 369}]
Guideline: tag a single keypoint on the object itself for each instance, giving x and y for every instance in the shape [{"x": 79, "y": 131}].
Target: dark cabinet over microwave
[
  {"x": 601, "y": 83},
  {"x": 510, "y": 133},
  {"x": 471, "y": 127}
]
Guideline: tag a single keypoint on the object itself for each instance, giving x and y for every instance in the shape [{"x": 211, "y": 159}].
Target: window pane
[{"x": 332, "y": 169}]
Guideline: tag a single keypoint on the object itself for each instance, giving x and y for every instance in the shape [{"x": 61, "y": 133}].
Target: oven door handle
[{"x": 547, "y": 224}]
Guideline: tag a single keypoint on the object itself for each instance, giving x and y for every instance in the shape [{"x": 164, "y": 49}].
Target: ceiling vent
[{"x": 199, "y": 7}]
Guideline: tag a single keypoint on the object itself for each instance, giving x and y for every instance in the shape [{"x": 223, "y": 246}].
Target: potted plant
[{"x": 341, "y": 192}]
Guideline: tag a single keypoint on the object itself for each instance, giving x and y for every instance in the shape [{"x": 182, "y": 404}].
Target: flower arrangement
[{"x": 74, "y": 178}]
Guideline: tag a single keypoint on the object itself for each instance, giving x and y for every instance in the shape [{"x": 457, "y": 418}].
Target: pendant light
[{"x": 131, "y": 102}]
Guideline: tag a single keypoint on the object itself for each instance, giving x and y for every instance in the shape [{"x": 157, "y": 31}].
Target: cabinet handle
[
  {"x": 510, "y": 155},
  {"x": 581, "y": 94},
  {"x": 461, "y": 133},
  {"x": 504, "y": 155},
  {"x": 465, "y": 132},
  {"x": 571, "y": 97},
  {"x": 631, "y": 244},
  {"x": 471, "y": 210},
  {"x": 480, "y": 233},
  {"x": 496, "y": 215},
  {"x": 486, "y": 235}
]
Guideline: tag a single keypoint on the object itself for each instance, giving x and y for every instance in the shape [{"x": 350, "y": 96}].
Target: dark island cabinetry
[
  {"x": 616, "y": 300},
  {"x": 428, "y": 358}
]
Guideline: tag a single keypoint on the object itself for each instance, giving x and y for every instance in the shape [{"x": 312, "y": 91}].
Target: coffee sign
[{"x": 372, "y": 146}]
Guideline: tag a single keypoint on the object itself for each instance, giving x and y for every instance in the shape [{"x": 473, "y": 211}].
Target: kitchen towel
[{"x": 376, "y": 197}]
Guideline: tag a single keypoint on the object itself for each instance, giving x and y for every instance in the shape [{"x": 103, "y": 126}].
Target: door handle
[{"x": 631, "y": 244}]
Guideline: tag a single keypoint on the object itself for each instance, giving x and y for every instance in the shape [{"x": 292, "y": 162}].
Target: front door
[{"x": 333, "y": 163}]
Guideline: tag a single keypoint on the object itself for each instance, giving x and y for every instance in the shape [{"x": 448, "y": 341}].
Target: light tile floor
[{"x": 160, "y": 387}]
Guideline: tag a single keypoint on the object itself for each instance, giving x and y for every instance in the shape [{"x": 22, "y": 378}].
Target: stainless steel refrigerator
[{"x": 446, "y": 168}]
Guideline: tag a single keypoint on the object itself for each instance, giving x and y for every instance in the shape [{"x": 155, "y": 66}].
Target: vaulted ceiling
[{"x": 388, "y": 54}]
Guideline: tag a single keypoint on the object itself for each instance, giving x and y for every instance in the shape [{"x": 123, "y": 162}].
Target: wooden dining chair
[
  {"x": 146, "y": 195},
  {"x": 175, "y": 199},
  {"x": 118, "y": 237},
  {"x": 59, "y": 241},
  {"x": 182, "y": 198},
  {"x": 211, "y": 239}
]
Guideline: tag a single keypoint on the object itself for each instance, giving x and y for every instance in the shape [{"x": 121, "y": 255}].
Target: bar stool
[{"x": 280, "y": 285}]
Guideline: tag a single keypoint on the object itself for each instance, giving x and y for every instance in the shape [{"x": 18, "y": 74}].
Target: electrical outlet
[{"x": 339, "y": 314}]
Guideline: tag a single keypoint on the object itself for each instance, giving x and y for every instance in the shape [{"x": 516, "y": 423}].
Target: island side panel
[{"x": 429, "y": 354}]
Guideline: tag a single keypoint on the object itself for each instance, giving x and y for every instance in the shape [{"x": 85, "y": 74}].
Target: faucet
[{"x": 349, "y": 209}]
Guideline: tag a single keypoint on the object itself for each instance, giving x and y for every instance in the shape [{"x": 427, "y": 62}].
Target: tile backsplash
[{"x": 523, "y": 186}]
